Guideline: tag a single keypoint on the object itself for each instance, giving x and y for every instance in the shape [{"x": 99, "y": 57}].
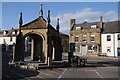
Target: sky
[{"x": 81, "y": 11}]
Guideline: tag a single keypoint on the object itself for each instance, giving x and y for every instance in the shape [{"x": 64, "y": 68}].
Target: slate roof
[
  {"x": 9, "y": 33},
  {"x": 111, "y": 27},
  {"x": 85, "y": 25}
]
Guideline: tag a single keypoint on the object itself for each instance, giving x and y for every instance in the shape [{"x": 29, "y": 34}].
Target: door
[{"x": 83, "y": 50}]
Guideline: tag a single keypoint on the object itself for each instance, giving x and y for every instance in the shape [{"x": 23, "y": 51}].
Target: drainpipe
[{"x": 114, "y": 43}]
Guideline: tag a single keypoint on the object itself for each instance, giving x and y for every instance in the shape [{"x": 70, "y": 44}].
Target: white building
[
  {"x": 110, "y": 39},
  {"x": 110, "y": 43},
  {"x": 8, "y": 38}
]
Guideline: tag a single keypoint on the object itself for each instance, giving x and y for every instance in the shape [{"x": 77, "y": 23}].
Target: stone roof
[{"x": 38, "y": 23}]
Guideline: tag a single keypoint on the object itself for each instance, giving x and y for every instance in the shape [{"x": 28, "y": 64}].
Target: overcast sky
[{"x": 81, "y": 11}]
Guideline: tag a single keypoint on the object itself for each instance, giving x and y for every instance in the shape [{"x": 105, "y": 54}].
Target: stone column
[
  {"x": 97, "y": 49},
  {"x": 32, "y": 49},
  {"x": 13, "y": 53},
  {"x": 53, "y": 55}
]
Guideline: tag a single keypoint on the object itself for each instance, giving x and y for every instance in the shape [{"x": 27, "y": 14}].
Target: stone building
[
  {"x": 45, "y": 40},
  {"x": 86, "y": 37},
  {"x": 64, "y": 42}
]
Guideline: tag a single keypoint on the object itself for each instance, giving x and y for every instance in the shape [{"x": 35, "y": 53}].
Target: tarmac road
[{"x": 97, "y": 68}]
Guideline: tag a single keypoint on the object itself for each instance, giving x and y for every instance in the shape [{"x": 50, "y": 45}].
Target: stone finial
[
  {"x": 48, "y": 18},
  {"x": 57, "y": 27},
  {"x": 20, "y": 20},
  {"x": 41, "y": 10}
]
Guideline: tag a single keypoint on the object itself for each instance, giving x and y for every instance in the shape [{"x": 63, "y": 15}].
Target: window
[
  {"x": 84, "y": 38},
  {"x": 93, "y": 26},
  {"x": 4, "y": 41},
  {"x": 92, "y": 48},
  {"x": 10, "y": 39},
  {"x": 13, "y": 32},
  {"x": 78, "y": 28},
  {"x": 76, "y": 38},
  {"x": 108, "y": 37},
  {"x": 17, "y": 32},
  {"x": 77, "y": 48},
  {"x": 92, "y": 38},
  {"x": 118, "y": 36},
  {"x": 108, "y": 49}
]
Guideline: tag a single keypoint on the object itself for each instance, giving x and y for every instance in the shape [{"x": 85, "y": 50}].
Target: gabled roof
[
  {"x": 9, "y": 33},
  {"x": 111, "y": 27},
  {"x": 85, "y": 25},
  {"x": 35, "y": 24}
]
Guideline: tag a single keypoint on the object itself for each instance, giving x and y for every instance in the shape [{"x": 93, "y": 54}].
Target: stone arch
[
  {"x": 36, "y": 50},
  {"x": 34, "y": 32}
]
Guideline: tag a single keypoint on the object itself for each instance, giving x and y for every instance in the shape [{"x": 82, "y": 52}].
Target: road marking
[
  {"x": 7, "y": 76},
  {"x": 46, "y": 73},
  {"x": 39, "y": 76},
  {"x": 54, "y": 72},
  {"x": 98, "y": 73},
  {"x": 35, "y": 76},
  {"x": 23, "y": 76},
  {"x": 19, "y": 74},
  {"x": 62, "y": 74}
]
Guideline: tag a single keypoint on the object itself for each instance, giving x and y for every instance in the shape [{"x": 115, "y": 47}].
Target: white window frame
[
  {"x": 84, "y": 35},
  {"x": 76, "y": 37},
  {"x": 92, "y": 35}
]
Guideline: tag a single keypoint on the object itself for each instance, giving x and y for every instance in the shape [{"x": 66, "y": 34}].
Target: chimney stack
[
  {"x": 72, "y": 22},
  {"x": 101, "y": 22}
]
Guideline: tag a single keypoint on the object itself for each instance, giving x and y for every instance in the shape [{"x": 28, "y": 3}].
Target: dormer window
[
  {"x": 4, "y": 33},
  {"x": 17, "y": 32},
  {"x": 118, "y": 36},
  {"x": 13, "y": 32},
  {"x": 76, "y": 38},
  {"x": 78, "y": 28},
  {"x": 93, "y": 26}
]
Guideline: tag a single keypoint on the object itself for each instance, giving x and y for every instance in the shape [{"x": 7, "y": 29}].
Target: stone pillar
[
  {"x": 53, "y": 55},
  {"x": 32, "y": 50},
  {"x": 97, "y": 49},
  {"x": 50, "y": 55},
  {"x": 13, "y": 58}
]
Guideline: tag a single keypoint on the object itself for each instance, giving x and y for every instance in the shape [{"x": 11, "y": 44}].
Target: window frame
[
  {"x": 108, "y": 37},
  {"x": 76, "y": 38},
  {"x": 91, "y": 38},
  {"x": 84, "y": 38},
  {"x": 118, "y": 37}
]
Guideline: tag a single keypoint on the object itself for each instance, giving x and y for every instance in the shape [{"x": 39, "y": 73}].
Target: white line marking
[
  {"x": 98, "y": 74},
  {"x": 35, "y": 76},
  {"x": 19, "y": 74},
  {"x": 45, "y": 73},
  {"x": 54, "y": 72},
  {"x": 23, "y": 76},
  {"x": 62, "y": 74},
  {"x": 7, "y": 76}
]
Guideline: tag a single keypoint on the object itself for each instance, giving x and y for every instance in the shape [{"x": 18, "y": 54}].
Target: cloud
[{"x": 86, "y": 14}]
